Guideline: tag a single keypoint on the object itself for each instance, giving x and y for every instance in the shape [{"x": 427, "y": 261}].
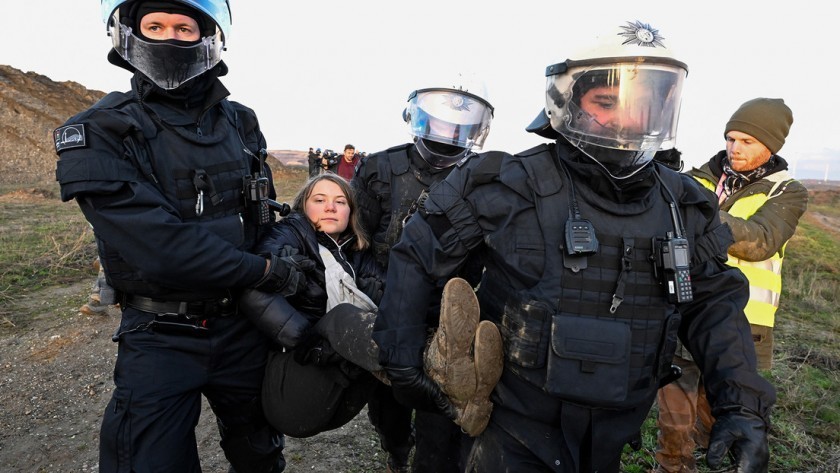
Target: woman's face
[{"x": 327, "y": 208}]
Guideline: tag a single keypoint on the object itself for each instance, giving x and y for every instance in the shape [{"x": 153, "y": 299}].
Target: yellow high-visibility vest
[{"x": 765, "y": 276}]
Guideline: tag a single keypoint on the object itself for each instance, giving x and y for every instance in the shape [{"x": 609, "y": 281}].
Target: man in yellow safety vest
[{"x": 762, "y": 204}]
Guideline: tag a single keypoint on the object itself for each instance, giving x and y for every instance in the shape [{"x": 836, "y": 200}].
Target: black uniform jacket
[
  {"x": 489, "y": 203},
  {"x": 128, "y": 198}
]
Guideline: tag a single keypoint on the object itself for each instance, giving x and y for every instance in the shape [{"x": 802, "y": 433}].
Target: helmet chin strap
[
  {"x": 438, "y": 160},
  {"x": 599, "y": 163}
]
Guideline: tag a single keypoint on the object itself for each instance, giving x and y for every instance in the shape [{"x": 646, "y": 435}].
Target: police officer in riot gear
[
  {"x": 448, "y": 121},
  {"x": 172, "y": 178},
  {"x": 314, "y": 160},
  {"x": 596, "y": 260}
]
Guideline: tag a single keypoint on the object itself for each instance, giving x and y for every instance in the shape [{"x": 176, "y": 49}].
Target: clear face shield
[
  {"x": 166, "y": 64},
  {"x": 618, "y": 114},
  {"x": 449, "y": 117}
]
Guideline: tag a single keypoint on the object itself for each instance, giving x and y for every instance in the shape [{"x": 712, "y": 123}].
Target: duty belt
[{"x": 223, "y": 307}]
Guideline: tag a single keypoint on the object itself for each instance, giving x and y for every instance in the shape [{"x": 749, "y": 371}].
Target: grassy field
[
  {"x": 45, "y": 242},
  {"x": 805, "y": 432}
]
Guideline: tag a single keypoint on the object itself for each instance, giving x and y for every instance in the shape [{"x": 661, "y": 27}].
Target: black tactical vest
[
  {"x": 598, "y": 331},
  {"x": 407, "y": 185},
  {"x": 200, "y": 175}
]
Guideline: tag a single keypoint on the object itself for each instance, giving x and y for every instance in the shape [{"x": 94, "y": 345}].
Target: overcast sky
[{"x": 323, "y": 73}]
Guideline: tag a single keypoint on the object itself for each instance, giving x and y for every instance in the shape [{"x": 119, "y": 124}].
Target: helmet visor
[
  {"x": 453, "y": 118},
  {"x": 166, "y": 64},
  {"x": 624, "y": 106}
]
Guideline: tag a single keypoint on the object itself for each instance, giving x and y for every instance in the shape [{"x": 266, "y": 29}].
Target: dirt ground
[{"x": 56, "y": 379}]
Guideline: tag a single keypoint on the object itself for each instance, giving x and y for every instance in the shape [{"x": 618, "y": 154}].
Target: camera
[
  {"x": 330, "y": 157},
  {"x": 672, "y": 267}
]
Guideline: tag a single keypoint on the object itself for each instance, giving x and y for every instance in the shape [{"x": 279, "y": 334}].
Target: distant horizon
[
  {"x": 336, "y": 72},
  {"x": 803, "y": 170}
]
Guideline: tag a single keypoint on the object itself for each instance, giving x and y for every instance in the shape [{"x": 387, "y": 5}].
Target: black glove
[
  {"x": 743, "y": 434},
  {"x": 285, "y": 275},
  {"x": 413, "y": 388},
  {"x": 315, "y": 350}
]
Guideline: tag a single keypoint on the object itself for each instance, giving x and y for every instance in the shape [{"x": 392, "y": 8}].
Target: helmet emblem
[
  {"x": 457, "y": 102},
  {"x": 641, "y": 34}
]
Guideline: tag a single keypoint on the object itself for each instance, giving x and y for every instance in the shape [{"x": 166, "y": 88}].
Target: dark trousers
[
  {"x": 441, "y": 445},
  {"x": 149, "y": 424},
  {"x": 392, "y": 422},
  {"x": 532, "y": 431}
]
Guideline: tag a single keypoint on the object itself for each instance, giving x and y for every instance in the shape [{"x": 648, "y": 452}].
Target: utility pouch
[
  {"x": 523, "y": 329},
  {"x": 589, "y": 360}
]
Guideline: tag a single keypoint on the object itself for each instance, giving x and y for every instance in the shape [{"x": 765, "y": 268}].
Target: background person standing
[
  {"x": 762, "y": 204},
  {"x": 347, "y": 164}
]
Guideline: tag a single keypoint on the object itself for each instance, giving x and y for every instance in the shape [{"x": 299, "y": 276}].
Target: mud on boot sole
[
  {"x": 449, "y": 358},
  {"x": 489, "y": 363}
]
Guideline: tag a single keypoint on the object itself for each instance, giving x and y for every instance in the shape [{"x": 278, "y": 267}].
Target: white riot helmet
[
  {"x": 618, "y": 103},
  {"x": 449, "y": 121},
  {"x": 168, "y": 63}
]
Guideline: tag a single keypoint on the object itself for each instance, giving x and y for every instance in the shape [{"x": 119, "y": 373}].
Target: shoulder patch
[{"x": 70, "y": 136}]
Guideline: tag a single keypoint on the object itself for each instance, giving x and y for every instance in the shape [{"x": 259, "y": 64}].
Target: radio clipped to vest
[
  {"x": 255, "y": 188},
  {"x": 580, "y": 234},
  {"x": 672, "y": 257},
  {"x": 672, "y": 266}
]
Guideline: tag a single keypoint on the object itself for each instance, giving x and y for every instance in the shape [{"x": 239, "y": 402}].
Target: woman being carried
[{"x": 324, "y": 365}]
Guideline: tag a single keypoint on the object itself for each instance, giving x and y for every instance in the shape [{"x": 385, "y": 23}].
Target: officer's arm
[
  {"x": 128, "y": 211},
  {"x": 714, "y": 327},
  {"x": 275, "y": 317},
  {"x": 434, "y": 244},
  {"x": 368, "y": 199},
  {"x": 718, "y": 336}
]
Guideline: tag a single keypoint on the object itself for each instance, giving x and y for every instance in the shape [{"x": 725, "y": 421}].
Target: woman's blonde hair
[{"x": 355, "y": 225}]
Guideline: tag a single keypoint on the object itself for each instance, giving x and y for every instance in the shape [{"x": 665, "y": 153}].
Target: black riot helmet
[{"x": 449, "y": 121}]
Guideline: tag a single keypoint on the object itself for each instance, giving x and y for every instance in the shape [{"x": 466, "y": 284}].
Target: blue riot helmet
[
  {"x": 168, "y": 63},
  {"x": 618, "y": 102},
  {"x": 450, "y": 120}
]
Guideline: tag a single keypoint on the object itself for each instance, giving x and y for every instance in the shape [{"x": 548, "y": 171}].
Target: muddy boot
[
  {"x": 465, "y": 357},
  {"x": 488, "y": 356},
  {"x": 449, "y": 361}
]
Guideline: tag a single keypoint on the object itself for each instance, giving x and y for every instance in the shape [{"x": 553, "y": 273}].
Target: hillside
[{"x": 31, "y": 107}]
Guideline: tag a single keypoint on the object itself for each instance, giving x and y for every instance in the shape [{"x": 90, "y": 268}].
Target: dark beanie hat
[
  {"x": 767, "y": 120},
  {"x": 142, "y": 8}
]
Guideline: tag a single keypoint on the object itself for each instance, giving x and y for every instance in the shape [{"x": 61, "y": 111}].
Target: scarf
[{"x": 733, "y": 180}]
